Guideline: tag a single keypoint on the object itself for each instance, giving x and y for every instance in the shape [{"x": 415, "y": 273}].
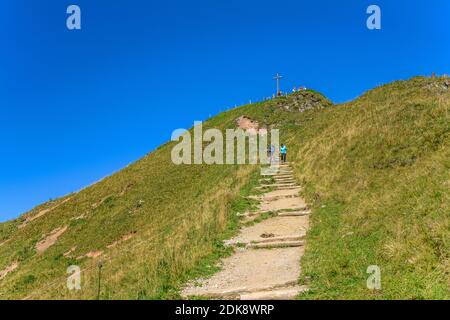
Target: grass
[
  {"x": 179, "y": 214},
  {"x": 375, "y": 172}
]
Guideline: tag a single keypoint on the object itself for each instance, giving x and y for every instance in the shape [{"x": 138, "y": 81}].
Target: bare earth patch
[
  {"x": 41, "y": 213},
  {"x": 50, "y": 239},
  {"x": 251, "y": 126},
  {"x": 246, "y": 123},
  {"x": 93, "y": 254},
  {"x": 122, "y": 239},
  {"x": 8, "y": 269},
  {"x": 78, "y": 217},
  {"x": 4, "y": 242},
  {"x": 68, "y": 253}
]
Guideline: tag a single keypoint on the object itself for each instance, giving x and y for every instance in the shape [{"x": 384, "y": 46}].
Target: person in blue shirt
[
  {"x": 272, "y": 152},
  {"x": 283, "y": 151}
]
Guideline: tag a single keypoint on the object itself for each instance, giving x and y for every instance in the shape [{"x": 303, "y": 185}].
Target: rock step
[
  {"x": 276, "y": 177},
  {"x": 290, "y": 184},
  {"x": 271, "y": 198},
  {"x": 287, "y": 238},
  {"x": 283, "y": 176},
  {"x": 289, "y": 293},
  {"x": 288, "y": 188},
  {"x": 276, "y": 244},
  {"x": 274, "y": 198},
  {"x": 289, "y": 210},
  {"x": 274, "y": 173},
  {"x": 236, "y": 293},
  {"x": 287, "y": 180},
  {"x": 294, "y": 214},
  {"x": 278, "y": 187},
  {"x": 295, "y": 237}
]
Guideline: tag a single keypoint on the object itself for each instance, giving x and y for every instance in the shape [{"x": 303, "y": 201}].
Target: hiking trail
[{"x": 265, "y": 264}]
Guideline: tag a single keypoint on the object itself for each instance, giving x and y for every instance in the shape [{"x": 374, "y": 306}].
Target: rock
[
  {"x": 279, "y": 294},
  {"x": 267, "y": 235}
]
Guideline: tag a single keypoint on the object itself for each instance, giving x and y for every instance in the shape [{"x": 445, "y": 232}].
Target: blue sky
[{"x": 76, "y": 106}]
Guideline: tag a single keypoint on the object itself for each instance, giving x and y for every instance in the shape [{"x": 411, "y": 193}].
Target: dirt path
[{"x": 266, "y": 261}]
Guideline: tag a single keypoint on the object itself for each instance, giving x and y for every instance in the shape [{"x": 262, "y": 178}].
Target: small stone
[{"x": 267, "y": 235}]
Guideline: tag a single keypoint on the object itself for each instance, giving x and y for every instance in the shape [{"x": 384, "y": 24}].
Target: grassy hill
[{"x": 377, "y": 176}]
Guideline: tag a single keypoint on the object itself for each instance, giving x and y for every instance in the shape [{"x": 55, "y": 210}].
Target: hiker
[
  {"x": 294, "y": 90},
  {"x": 283, "y": 151},
  {"x": 272, "y": 152}
]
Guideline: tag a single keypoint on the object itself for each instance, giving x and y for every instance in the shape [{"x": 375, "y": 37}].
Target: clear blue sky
[{"x": 76, "y": 106}]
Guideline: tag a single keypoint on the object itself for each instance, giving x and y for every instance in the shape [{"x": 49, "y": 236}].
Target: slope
[{"x": 376, "y": 172}]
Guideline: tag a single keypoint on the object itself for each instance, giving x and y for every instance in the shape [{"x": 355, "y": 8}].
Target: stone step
[
  {"x": 294, "y": 213},
  {"x": 288, "y": 188},
  {"x": 289, "y": 184},
  {"x": 285, "y": 180},
  {"x": 286, "y": 238},
  {"x": 290, "y": 210},
  {"x": 283, "y": 176},
  {"x": 271, "y": 198},
  {"x": 276, "y": 187},
  {"x": 295, "y": 237},
  {"x": 288, "y": 293},
  {"x": 276, "y": 244},
  {"x": 274, "y": 172},
  {"x": 236, "y": 293},
  {"x": 274, "y": 198}
]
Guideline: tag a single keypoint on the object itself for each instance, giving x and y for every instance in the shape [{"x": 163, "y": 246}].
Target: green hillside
[{"x": 376, "y": 173}]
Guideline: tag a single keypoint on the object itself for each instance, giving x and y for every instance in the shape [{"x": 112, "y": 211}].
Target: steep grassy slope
[
  {"x": 175, "y": 216},
  {"x": 376, "y": 172}
]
